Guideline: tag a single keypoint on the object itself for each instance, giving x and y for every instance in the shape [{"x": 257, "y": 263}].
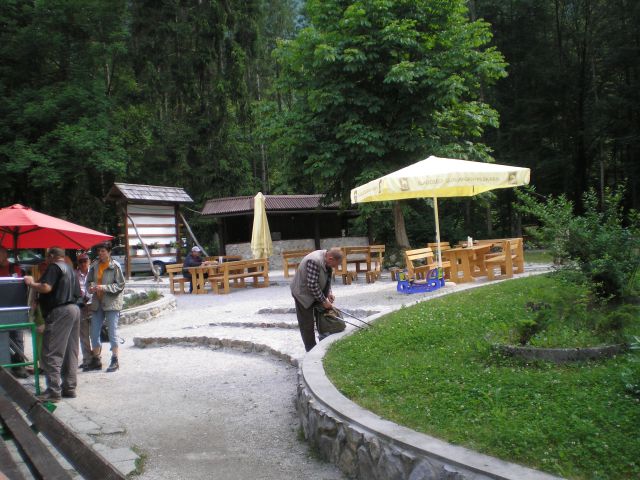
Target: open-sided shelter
[{"x": 291, "y": 217}]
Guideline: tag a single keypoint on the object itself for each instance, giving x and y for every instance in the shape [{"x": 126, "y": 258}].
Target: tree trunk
[{"x": 401, "y": 232}]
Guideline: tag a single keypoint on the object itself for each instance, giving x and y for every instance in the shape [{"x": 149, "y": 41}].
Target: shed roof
[
  {"x": 229, "y": 206},
  {"x": 148, "y": 193}
]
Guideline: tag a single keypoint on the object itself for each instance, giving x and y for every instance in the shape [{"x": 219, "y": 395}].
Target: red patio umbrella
[{"x": 21, "y": 227}]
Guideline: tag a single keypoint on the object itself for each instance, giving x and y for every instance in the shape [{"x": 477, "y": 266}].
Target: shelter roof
[
  {"x": 230, "y": 206},
  {"x": 148, "y": 193}
]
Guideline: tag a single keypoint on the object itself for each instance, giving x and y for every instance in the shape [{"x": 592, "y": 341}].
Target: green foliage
[
  {"x": 58, "y": 93},
  {"x": 565, "y": 314},
  {"x": 192, "y": 94},
  {"x": 572, "y": 88},
  {"x": 526, "y": 328},
  {"x": 431, "y": 367},
  {"x": 142, "y": 298},
  {"x": 601, "y": 243},
  {"x": 373, "y": 85}
]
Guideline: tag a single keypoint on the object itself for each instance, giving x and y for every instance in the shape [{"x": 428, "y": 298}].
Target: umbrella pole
[{"x": 435, "y": 212}]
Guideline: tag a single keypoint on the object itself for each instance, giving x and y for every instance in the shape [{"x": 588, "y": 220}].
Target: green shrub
[
  {"x": 631, "y": 376},
  {"x": 618, "y": 319},
  {"x": 142, "y": 298},
  {"x": 601, "y": 243},
  {"x": 526, "y": 328}
]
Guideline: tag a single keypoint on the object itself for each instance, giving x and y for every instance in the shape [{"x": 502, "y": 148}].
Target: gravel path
[{"x": 193, "y": 412}]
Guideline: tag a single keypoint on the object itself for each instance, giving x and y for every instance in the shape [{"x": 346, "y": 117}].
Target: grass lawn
[
  {"x": 430, "y": 367},
  {"x": 537, "y": 256}
]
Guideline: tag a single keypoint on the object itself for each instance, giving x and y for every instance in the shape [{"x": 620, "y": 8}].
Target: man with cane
[{"x": 311, "y": 287}]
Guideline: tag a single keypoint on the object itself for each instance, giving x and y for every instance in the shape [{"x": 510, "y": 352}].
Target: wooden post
[
  {"x": 156, "y": 276},
  {"x": 195, "y": 240}
]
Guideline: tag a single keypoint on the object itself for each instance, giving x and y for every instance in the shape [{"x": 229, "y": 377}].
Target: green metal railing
[{"x": 34, "y": 344}]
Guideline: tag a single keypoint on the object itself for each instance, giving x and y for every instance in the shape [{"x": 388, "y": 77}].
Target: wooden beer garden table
[
  {"x": 467, "y": 262},
  {"x": 199, "y": 276}
]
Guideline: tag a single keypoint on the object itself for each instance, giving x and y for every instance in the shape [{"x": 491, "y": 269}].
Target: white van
[{"x": 119, "y": 254}]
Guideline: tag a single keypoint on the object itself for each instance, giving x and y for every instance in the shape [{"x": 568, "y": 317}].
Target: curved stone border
[
  {"x": 561, "y": 355},
  {"x": 366, "y": 446},
  {"x": 148, "y": 311},
  {"x": 358, "y": 312},
  {"x": 281, "y": 325},
  {"x": 214, "y": 343}
]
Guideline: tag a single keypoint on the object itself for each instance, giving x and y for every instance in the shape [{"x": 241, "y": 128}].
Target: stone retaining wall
[
  {"x": 561, "y": 355},
  {"x": 368, "y": 447},
  {"x": 146, "y": 312}
]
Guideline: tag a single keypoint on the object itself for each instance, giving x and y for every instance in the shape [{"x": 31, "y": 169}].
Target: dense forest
[{"x": 282, "y": 96}]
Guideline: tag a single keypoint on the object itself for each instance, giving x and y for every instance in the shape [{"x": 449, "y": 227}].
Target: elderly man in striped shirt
[{"x": 311, "y": 286}]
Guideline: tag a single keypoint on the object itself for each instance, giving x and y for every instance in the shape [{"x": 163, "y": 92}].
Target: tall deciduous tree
[{"x": 377, "y": 84}]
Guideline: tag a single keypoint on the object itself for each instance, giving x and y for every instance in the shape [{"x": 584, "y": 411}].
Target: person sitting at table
[{"x": 194, "y": 259}]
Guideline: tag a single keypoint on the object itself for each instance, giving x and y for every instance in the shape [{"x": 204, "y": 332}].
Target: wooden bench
[
  {"x": 223, "y": 258},
  {"x": 292, "y": 258},
  {"x": 360, "y": 256},
  {"x": 175, "y": 278},
  {"x": 221, "y": 275},
  {"x": 26, "y": 434},
  {"x": 511, "y": 255},
  {"x": 443, "y": 246},
  {"x": 421, "y": 261}
]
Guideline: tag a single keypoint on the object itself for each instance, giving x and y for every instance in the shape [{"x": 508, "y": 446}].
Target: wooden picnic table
[
  {"x": 199, "y": 276},
  {"x": 467, "y": 262},
  {"x": 224, "y": 275},
  {"x": 366, "y": 259}
]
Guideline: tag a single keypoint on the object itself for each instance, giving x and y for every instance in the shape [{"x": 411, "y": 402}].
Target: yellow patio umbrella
[
  {"x": 261, "y": 245},
  {"x": 440, "y": 177}
]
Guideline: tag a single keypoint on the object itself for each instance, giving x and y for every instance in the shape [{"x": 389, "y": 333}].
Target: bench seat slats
[
  {"x": 86, "y": 461},
  {"x": 40, "y": 459},
  {"x": 175, "y": 278},
  {"x": 238, "y": 271},
  {"x": 292, "y": 258},
  {"x": 8, "y": 467},
  {"x": 428, "y": 263}
]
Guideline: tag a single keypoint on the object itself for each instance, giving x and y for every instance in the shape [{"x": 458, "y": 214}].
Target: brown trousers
[
  {"x": 85, "y": 333},
  {"x": 60, "y": 348}
]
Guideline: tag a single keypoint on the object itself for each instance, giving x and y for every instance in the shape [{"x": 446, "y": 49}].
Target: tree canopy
[
  {"x": 286, "y": 96},
  {"x": 376, "y": 84}
]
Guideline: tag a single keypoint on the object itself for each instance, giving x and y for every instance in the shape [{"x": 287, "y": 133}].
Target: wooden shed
[{"x": 154, "y": 211}]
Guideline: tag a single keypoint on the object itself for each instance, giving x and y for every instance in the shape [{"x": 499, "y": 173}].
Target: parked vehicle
[
  {"x": 27, "y": 259},
  {"x": 138, "y": 264}
]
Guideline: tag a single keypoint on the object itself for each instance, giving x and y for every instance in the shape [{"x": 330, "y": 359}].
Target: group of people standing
[{"x": 75, "y": 304}]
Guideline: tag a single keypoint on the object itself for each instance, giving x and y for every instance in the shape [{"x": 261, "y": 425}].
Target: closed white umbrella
[{"x": 261, "y": 245}]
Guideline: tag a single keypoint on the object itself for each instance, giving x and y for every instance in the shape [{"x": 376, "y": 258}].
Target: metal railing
[{"x": 34, "y": 345}]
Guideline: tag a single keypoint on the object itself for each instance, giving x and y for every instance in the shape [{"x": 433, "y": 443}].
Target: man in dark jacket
[
  {"x": 59, "y": 294},
  {"x": 311, "y": 286},
  {"x": 194, "y": 259}
]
